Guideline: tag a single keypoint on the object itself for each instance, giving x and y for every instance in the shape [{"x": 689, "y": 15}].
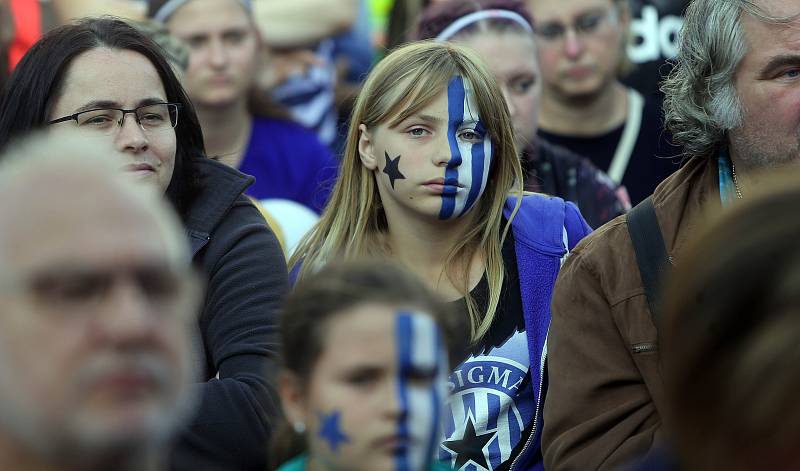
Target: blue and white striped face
[
  {"x": 467, "y": 171},
  {"x": 420, "y": 355}
]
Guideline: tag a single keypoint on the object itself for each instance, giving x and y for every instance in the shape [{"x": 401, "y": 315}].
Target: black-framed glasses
[
  {"x": 151, "y": 118},
  {"x": 584, "y": 25}
]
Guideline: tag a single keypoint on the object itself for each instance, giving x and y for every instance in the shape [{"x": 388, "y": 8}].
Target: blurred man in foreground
[{"x": 97, "y": 304}]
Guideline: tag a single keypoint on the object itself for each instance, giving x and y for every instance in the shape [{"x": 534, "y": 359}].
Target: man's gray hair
[{"x": 701, "y": 104}]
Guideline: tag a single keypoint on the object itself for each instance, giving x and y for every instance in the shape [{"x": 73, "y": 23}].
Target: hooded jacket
[
  {"x": 246, "y": 279},
  {"x": 545, "y": 230}
]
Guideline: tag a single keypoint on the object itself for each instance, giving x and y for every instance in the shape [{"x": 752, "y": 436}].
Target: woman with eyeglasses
[
  {"x": 103, "y": 79},
  {"x": 585, "y": 107}
]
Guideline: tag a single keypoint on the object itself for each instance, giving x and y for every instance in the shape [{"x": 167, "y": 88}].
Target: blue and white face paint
[
  {"x": 420, "y": 354},
  {"x": 467, "y": 171}
]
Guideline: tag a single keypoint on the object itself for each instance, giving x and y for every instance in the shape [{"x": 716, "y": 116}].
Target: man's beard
[
  {"x": 74, "y": 438},
  {"x": 757, "y": 153}
]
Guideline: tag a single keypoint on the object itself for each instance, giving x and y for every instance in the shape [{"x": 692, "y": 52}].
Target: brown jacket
[{"x": 605, "y": 388}]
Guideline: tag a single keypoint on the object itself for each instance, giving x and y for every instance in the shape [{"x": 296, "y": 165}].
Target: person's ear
[
  {"x": 366, "y": 148},
  {"x": 293, "y": 399}
]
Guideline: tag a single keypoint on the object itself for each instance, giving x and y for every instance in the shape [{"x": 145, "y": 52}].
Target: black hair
[{"x": 38, "y": 78}]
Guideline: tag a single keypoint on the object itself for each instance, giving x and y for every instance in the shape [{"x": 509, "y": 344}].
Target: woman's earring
[{"x": 299, "y": 427}]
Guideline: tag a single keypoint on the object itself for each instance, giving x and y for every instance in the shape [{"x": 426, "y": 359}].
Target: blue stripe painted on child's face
[
  {"x": 420, "y": 352},
  {"x": 467, "y": 171},
  {"x": 455, "y": 113}
]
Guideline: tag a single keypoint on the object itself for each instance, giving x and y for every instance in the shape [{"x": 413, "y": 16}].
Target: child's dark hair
[{"x": 322, "y": 296}]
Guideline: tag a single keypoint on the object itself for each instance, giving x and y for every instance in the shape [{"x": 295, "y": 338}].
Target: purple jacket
[{"x": 545, "y": 229}]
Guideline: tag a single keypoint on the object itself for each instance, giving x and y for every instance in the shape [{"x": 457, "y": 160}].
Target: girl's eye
[
  {"x": 363, "y": 377},
  {"x": 417, "y": 132},
  {"x": 522, "y": 86},
  {"x": 470, "y": 135}
]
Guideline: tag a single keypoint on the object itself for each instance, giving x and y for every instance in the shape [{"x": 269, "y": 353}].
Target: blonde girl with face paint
[{"x": 430, "y": 177}]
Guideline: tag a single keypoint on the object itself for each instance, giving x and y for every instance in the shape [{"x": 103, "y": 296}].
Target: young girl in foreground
[
  {"x": 366, "y": 363},
  {"x": 430, "y": 177}
]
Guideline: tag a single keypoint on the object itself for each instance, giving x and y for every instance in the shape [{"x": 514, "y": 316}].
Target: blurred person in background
[
  {"x": 26, "y": 18},
  {"x": 733, "y": 102},
  {"x": 302, "y": 71},
  {"x": 98, "y": 307},
  {"x": 367, "y": 350},
  {"x": 7, "y": 31},
  {"x": 177, "y": 54},
  {"x": 104, "y": 80},
  {"x": 501, "y": 32},
  {"x": 585, "y": 108},
  {"x": 730, "y": 330},
  {"x": 241, "y": 129}
]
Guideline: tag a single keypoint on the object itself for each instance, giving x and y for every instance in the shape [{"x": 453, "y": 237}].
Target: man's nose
[{"x": 127, "y": 316}]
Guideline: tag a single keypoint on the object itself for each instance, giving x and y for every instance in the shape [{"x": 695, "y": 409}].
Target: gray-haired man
[
  {"x": 97, "y": 306},
  {"x": 733, "y": 102}
]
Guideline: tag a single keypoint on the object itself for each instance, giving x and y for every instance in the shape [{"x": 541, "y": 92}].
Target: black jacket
[{"x": 246, "y": 280}]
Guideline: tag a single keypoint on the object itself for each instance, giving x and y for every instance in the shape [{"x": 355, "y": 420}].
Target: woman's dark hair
[
  {"x": 38, "y": 79},
  {"x": 729, "y": 339},
  {"x": 438, "y": 16},
  {"x": 337, "y": 287}
]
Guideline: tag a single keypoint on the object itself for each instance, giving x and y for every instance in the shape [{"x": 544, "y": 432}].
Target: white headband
[
  {"x": 477, "y": 16},
  {"x": 167, "y": 10}
]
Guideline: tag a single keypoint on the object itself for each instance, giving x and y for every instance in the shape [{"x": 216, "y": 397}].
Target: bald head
[
  {"x": 97, "y": 306},
  {"x": 59, "y": 188}
]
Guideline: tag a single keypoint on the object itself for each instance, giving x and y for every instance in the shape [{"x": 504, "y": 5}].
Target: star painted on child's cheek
[
  {"x": 330, "y": 431},
  {"x": 392, "y": 169}
]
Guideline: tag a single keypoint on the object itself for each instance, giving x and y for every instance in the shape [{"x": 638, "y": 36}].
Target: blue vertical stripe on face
[
  {"x": 478, "y": 158},
  {"x": 404, "y": 339},
  {"x": 437, "y": 401},
  {"x": 455, "y": 116}
]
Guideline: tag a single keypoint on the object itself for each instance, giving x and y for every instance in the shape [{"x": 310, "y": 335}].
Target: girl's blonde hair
[{"x": 354, "y": 224}]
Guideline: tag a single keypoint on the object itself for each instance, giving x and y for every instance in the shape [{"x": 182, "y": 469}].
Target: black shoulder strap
[{"x": 651, "y": 253}]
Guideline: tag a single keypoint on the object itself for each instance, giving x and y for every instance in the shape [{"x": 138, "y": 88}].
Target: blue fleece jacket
[{"x": 545, "y": 230}]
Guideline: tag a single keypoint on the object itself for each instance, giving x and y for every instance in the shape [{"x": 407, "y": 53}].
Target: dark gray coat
[{"x": 246, "y": 278}]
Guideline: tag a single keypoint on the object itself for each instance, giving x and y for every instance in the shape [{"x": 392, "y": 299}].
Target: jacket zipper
[
  {"x": 644, "y": 347},
  {"x": 535, "y": 419}
]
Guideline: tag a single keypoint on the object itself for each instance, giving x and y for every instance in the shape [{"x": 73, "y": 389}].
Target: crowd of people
[{"x": 234, "y": 237}]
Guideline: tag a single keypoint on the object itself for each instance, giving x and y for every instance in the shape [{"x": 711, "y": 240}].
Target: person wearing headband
[
  {"x": 241, "y": 128},
  {"x": 501, "y": 31},
  {"x": 585, "y": 107}
]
